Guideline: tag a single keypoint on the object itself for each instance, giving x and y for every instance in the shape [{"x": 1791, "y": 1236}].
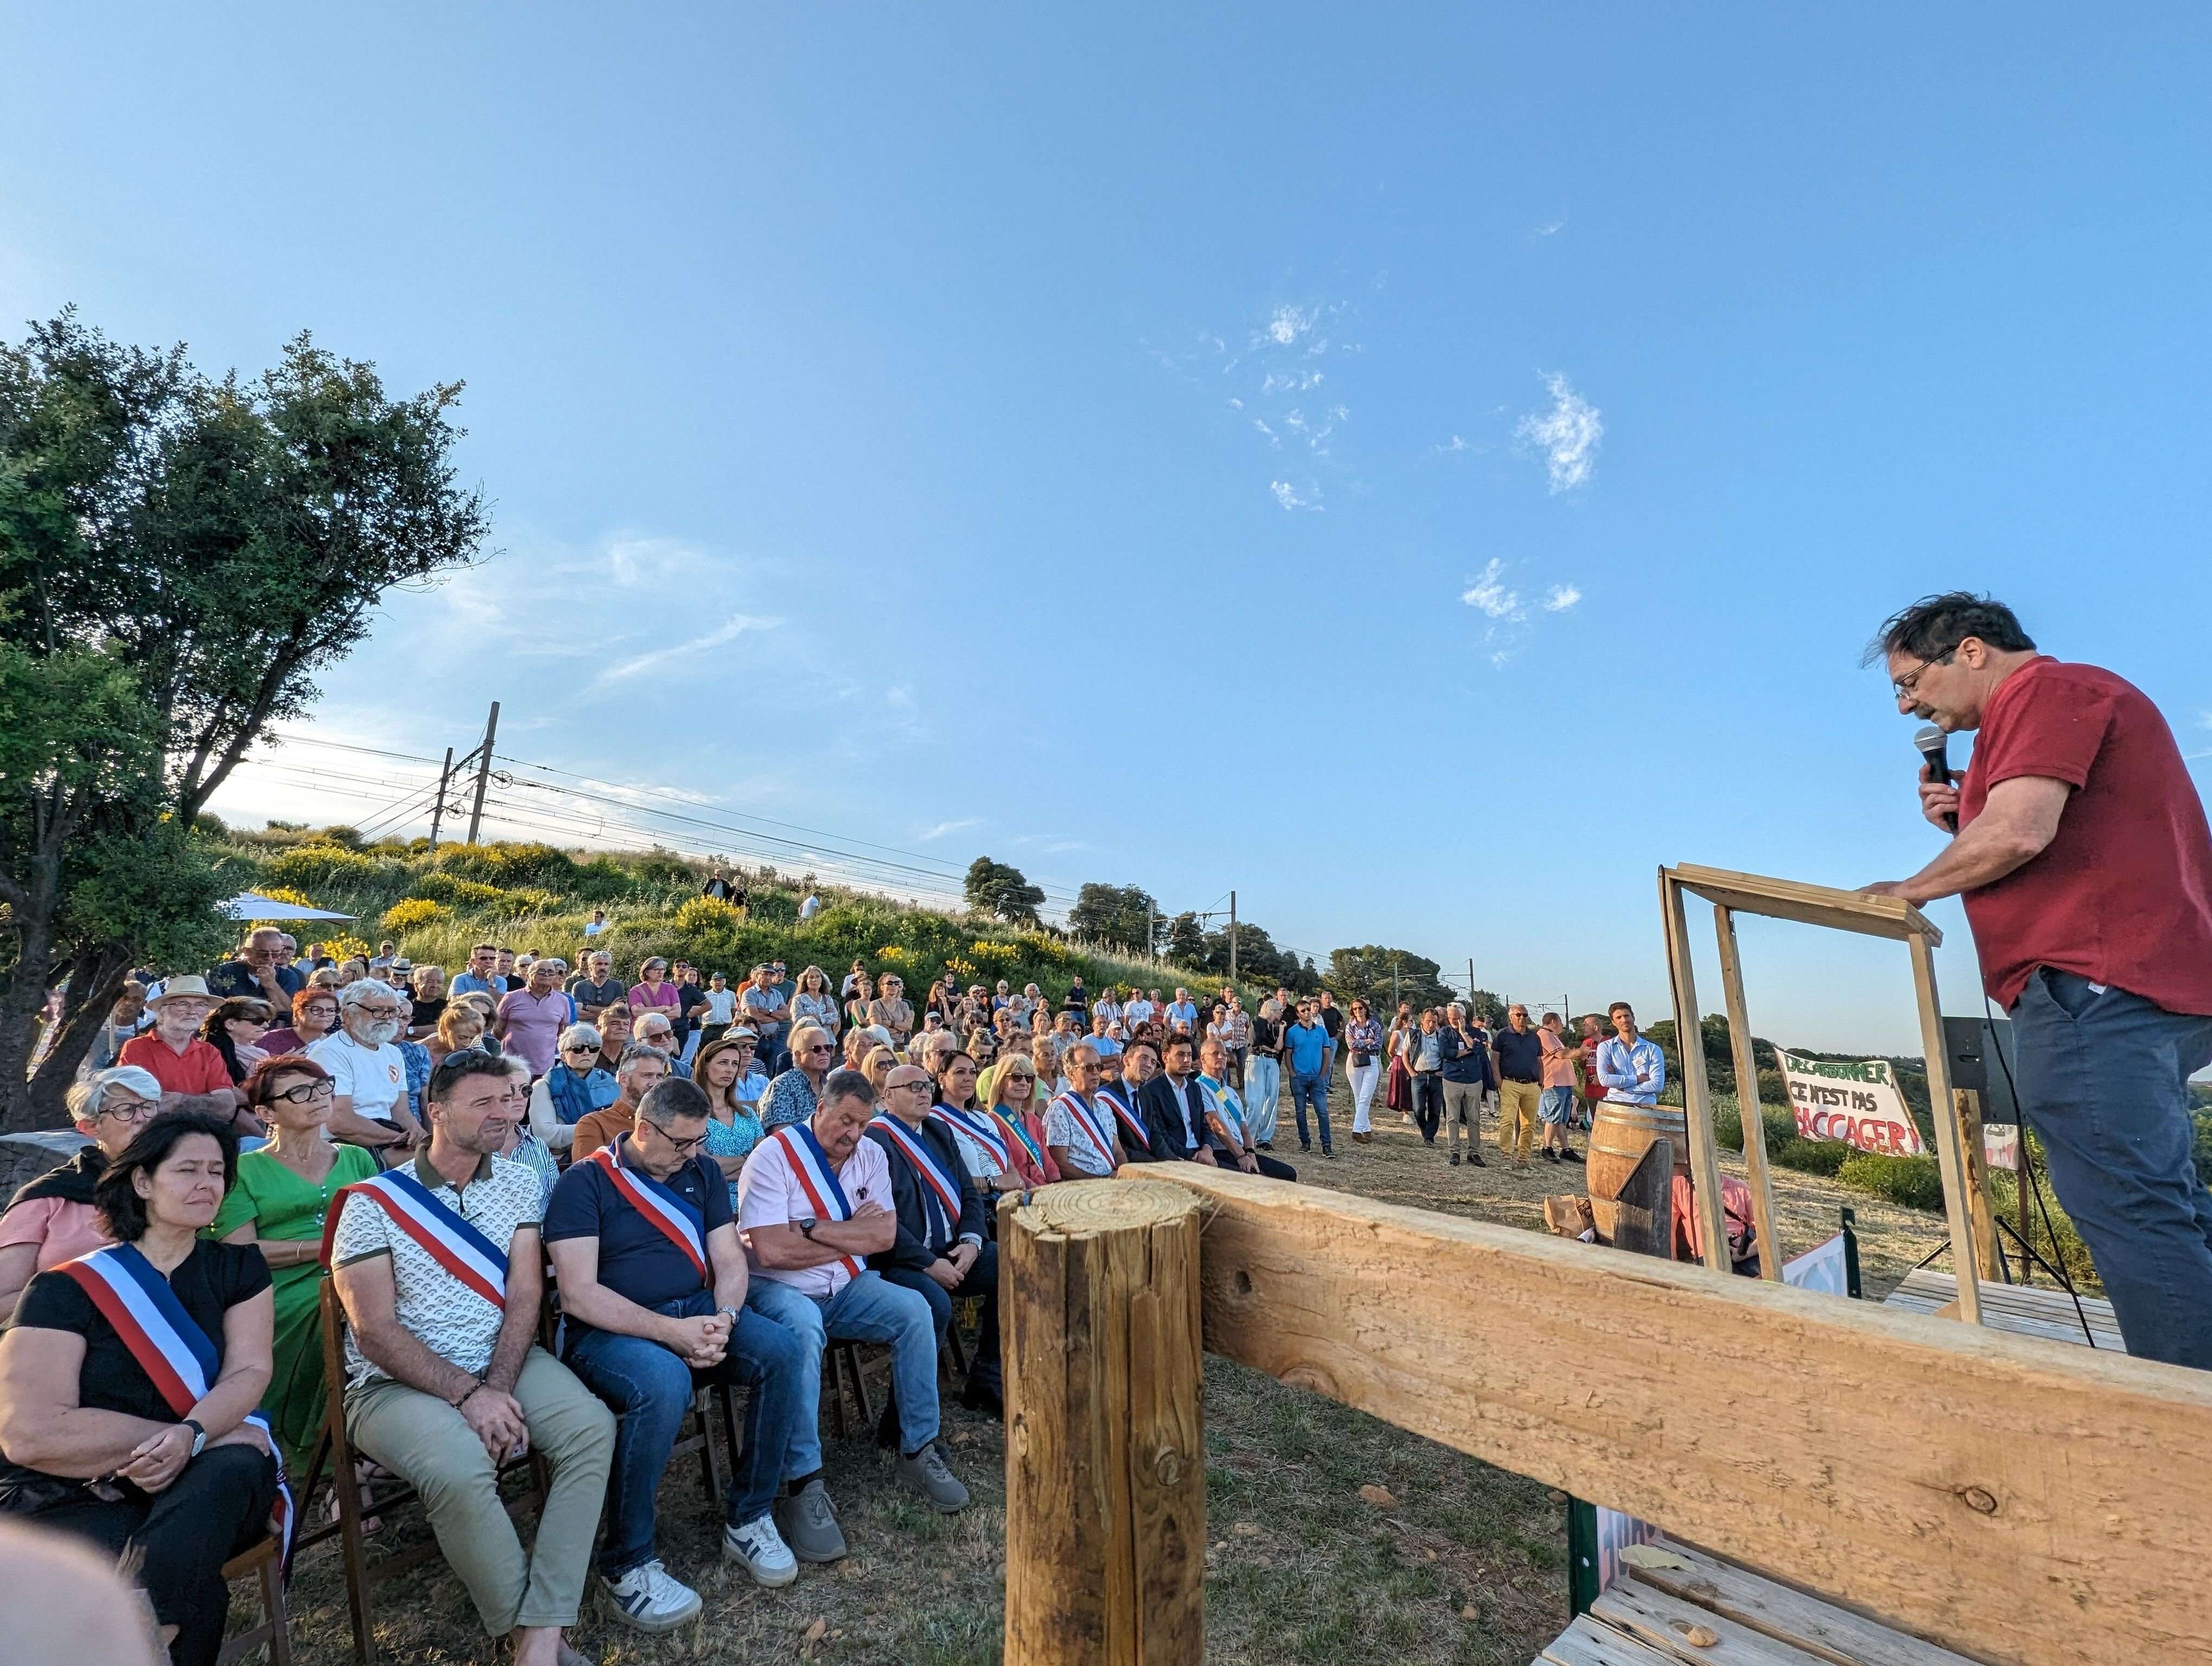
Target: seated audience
[
  {"x": 815, "y": 1200},
  {"x": 1015, "y": 1102},
  {"x": 370, "y": 1107},
  {"x": 128, "y": 1384},
  {"x": 986, "y": 1145},
  {"x": 653, "y": 1288},
  {"x": 1078, "y": 1127},
  {"x": 1224, "y": 1116},
  {"x": 576, "y": 1085},
  {"x": 192, "y": 1074},
  {"x": 791, "y": 1097},
  {"x": 1174, "y": 1106},
  {"x": 439, "y": 1265},
  {"x": 655, "y": 1029},
  {"x": 941, "y": 1250},
  {"x": 641, "y": 1070},
  {"x": 52, "y": 1219},
  {"x": 1140, "y": 1062},
  {"x": 725, "y": 1073},
  {"x": 279, "y": 1205}
]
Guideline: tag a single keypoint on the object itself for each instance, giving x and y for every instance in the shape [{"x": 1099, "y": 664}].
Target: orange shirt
[
  {"x": 1559, "y": 1060},
  {"x": 599, "y": 1127},
  {"x": 198, "y": 1069}
]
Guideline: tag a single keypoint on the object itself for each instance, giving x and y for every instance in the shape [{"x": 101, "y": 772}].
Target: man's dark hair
[
  {"x": 456, "y": 1068},
  {"x": 1934, "y": 626},
  {"x": 1619, "y": 1007},
  {"x": 1139, "y": 1046},
  {"x": 117, "y": 1203},
  {"x": 847, "y": 1085},
  {"x": 674, "y": 1098}
]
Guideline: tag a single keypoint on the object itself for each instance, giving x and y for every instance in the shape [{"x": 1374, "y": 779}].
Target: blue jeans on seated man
[
  {"x": 2103, "y": 1081},
  {"x": 650, "y": 1390},
  {"x": 982, "y": 1280},
  {"x": 1314, "y": 1087},
  {"x": 869, "y": 1308}
]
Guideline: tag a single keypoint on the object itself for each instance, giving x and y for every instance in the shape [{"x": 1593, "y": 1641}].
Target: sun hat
[{"x": 191, "y": 985}]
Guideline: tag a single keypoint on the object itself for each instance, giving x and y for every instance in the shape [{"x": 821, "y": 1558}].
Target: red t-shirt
[
  {"x": 2123, "y": 894},
  {"x": 198, "y": 1069}
]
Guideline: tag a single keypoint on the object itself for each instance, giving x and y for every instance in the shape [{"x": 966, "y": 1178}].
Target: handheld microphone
[{"x": 1933, "y": 744}]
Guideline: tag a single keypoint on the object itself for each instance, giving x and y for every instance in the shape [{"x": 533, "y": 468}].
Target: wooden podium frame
[{"x": 1731, "y": 894}]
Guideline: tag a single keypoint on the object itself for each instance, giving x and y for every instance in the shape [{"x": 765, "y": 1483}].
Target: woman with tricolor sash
[
  {"x": 986, "y": 1145},
  {"x": 129, "y": 1383},
  {"x": 1078, "y": 1127},
  {"x": 1015, "y": 1101}
]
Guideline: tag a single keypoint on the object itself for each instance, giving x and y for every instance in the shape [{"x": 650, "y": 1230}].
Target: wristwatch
[
  {"x": 806, "y": 1228},
  {"x": 199, "y": 1436},
  {"x": 732, "y": 1311}
]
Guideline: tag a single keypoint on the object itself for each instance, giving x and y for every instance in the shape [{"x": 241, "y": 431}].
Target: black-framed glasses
[
  {"x": 134, "y": 1110},
  {"x": 307, "y": 1092},
  {"x": 684, "y": 1147},
  {"x": 1906, "y": 684},
  {"x": 921, "y": 1086},
  {"x": 580, "y": 1046}
]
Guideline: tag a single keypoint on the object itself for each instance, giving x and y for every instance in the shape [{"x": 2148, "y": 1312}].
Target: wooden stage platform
[
  {"x": 2024, "y": 1309},
  {"x": 1675, "y": 1606}
]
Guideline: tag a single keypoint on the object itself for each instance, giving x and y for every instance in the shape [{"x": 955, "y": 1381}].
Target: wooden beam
[
  {"x": 2012, "y": 1499},
  {"x": 1965, "y": 1260},
  {"x": 1746, "y": 1096},
  {"x": 1105, "y": 1448},
  {"x": 1810, "y": 905},
  {"x": 1697, "y": 1097},
  {"x": 1804, "y": 1622},
  {"x": 1966, "y": 1104}
]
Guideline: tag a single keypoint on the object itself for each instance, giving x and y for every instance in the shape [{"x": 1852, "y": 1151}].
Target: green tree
[
  {"x": 1119, "y": 917},
  {"x": 178, "y": 558},
  {"x": 1365, "y": 974},
  {"x": 1186, "y": 941},
  {"x": 1002, "y": 892}
]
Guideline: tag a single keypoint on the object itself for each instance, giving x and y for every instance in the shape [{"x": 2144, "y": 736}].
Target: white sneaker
[
  {"x": 647, "y": 1599},
  {"x": 757, "y": 1545}
]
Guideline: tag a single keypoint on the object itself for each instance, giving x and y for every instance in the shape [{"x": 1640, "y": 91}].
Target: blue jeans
[
  {"x": 1313, "y": 1087},
  {"x": 650, "y": 1390},
  {"x": 867, "y": 1309},
  {"x": 1263, "y": 1094},
  {"x": 2103, "y": 1081}
]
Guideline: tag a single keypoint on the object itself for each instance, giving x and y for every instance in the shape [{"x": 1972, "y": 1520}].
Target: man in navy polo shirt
[{"x": 628, "y": 1229}]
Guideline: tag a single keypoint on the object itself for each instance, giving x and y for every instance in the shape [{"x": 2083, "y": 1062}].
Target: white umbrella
[{"x": 252, "y": 906}]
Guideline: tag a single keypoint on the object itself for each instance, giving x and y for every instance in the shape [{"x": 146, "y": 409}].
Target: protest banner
[{"x": 1854, "y": 1100}]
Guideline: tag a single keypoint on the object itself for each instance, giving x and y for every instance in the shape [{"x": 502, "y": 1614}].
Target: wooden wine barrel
[{"x": 1619, "y": 1135}]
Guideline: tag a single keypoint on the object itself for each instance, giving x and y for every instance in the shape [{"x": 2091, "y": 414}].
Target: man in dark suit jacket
[
  {"x": 942, "y": 1253},
  {"x": 1173, "y": 1106},
  {"x": 1140, "y": 1062}
]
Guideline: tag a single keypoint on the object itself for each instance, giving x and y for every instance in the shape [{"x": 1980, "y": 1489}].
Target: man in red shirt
[
  {"x": 192, "y": 1074},
  {"x": 2085, "y": 863}
]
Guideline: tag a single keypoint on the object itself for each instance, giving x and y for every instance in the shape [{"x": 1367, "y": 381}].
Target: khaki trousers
[
  {"x": 420, "y": 1438},
  {"x": 1462, "y": 1110},
  {"x": 1516, "y": 1117}
]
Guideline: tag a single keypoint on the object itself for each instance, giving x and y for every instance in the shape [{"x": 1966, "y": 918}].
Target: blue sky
[{"x": 1423, "y": 470}]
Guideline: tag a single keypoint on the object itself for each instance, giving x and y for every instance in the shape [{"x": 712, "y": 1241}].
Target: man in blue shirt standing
[
  {"x": 1630, "y": 1067},
  {"x": 653, "y": 1288},
  {"x": 1519, "y": 1052},
  {"x": 480, "y": 979},
  {"x": 1306, "y": 1053}
]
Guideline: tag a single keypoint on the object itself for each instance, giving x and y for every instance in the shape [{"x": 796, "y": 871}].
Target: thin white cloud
[
  {"x": 944, "y": 827},
  {"x": 1451, "y": 445},
  {"x": 1291, "y": 498},
  {"x": 734, "y": 627},
  {"x": 1260, "y": 424},
  {"x": 1288, "y": 324},
  {"x": 1550, "y": 227},
  {"x": 1567, "y": 434},
  {"x": 1561, "y": 598},
  {"x": 1489, "y": 595}
]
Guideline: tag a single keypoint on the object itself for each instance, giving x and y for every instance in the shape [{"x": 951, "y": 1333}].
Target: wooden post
[
  {"x": 1965, "y": 1258},
  {"x": 1105, "y": 1442},
  {"x": 1643, "y": 1213},
  {"x": 1696, "y": 1097},
  {"x": 1746, "y": 1096},
  {"x": 1966, "y": 1105}
]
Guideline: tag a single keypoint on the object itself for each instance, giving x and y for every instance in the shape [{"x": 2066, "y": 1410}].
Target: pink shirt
[
  {"x": 662, "y": 993},
  {"x": 62, "y": 1230},
  {"x": 529, "y": 1026},
  {"x": 769, "y": 1194}
]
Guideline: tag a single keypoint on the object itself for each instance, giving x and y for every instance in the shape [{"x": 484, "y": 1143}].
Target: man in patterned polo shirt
[{"x": 443, "y": 1381}]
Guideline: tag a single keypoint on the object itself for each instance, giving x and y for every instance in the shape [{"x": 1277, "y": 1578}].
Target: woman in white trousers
[{"x": 1362, "y": 1063}]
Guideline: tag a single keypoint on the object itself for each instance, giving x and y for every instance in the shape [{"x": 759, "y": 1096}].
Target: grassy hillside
[{"x": 537, "y": 899}]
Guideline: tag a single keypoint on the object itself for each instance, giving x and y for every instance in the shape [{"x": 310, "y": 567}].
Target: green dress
[{"x": 284, "y": 1208}]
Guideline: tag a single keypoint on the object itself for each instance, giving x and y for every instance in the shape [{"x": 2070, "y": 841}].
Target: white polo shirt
[
  {"x": 769, "y": 1194},
  {"x": 375, "y": 1077}
]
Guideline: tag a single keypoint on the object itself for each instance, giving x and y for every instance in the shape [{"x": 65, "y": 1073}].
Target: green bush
[
  {"x": 506, "y": 864},
  {"x": 1914, "y": 1182},
  {"x": 1825, "y": 1157},
  {"x": 312, "y": 868}
]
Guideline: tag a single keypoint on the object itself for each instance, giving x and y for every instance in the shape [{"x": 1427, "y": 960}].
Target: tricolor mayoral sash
[
  {"x": 451, "y": 1240},
  {"x": 176, "y": 1356},
  {"x": 817, "y": 1178},
  {"x": 946, "y": 1188},
  {"x": 1087, "y": 1119},
  {"x": 668, "y": 1210}
]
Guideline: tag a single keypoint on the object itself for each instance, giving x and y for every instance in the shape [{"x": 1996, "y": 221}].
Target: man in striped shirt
[{"x": 814, "y": 1201}]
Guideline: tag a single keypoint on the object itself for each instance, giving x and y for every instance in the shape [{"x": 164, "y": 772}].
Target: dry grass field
[{"x": 1463, "y": 1565}]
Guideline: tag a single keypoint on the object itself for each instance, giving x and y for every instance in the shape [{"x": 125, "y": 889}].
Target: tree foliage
[
  {"x": 1001, "y": 891},
  {"x": 178, "y": 558},
  {"x": 1124, "y": 917},
  {"x": 1367, "y": 974}
]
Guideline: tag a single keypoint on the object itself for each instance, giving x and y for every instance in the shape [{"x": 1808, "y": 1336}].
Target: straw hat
[{"x": 191, "y": 985}]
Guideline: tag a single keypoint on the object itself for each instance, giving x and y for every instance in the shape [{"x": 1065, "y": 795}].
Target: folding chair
[
  {"x": 265, "y": 1563},
  {"x": 388, "y": 1494}
]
